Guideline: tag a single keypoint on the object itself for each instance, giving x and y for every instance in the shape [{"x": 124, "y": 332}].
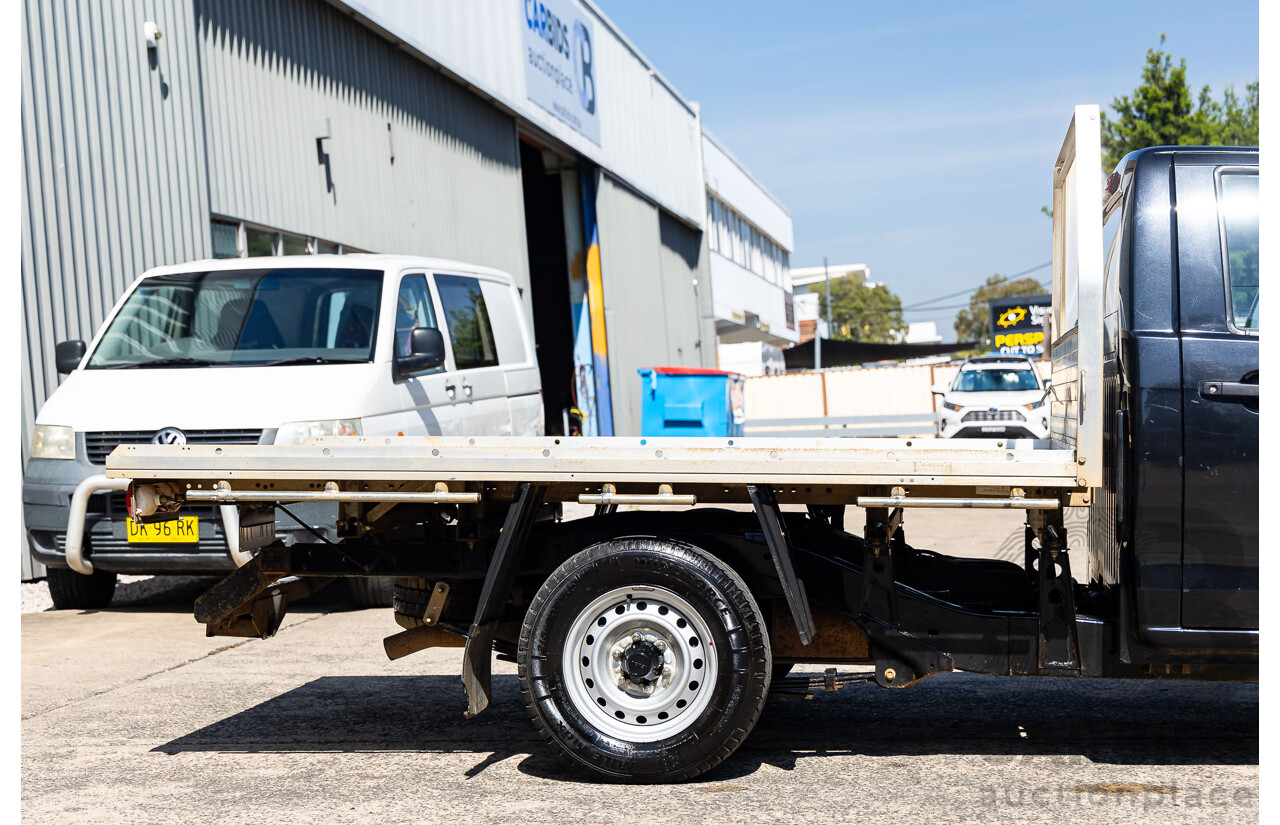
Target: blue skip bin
[{"x": 688, "y": 401}]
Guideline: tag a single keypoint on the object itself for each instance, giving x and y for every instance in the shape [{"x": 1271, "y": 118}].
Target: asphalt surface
[{"x": 133, "y": 715}]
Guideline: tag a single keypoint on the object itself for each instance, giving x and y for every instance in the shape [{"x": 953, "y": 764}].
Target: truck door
[{"x": 1218, "y": 306}]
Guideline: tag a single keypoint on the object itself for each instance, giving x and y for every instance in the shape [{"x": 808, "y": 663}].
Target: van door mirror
[
  {"x": 426, "y": 352},
  {"x": 68, "y": 355}
]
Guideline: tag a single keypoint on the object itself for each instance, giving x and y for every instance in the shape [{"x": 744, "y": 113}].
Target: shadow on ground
[
  {"x": 178, "y": 594},
  {"x": 998, "y": 719}
]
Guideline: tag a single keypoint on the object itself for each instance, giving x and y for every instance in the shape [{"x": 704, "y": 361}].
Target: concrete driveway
[{"x": 133, "y": 715}]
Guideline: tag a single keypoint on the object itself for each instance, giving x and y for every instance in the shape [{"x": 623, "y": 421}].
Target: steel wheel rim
[{"x": 597, "y": 679}]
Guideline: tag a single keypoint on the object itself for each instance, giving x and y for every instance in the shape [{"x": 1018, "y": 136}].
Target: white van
[{"x": 269, "y": 351}]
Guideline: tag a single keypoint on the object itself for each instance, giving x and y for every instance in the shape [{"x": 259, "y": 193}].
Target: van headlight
[
  {"x": 53, "y": 442},
  {"x": 297, "y": 432}
]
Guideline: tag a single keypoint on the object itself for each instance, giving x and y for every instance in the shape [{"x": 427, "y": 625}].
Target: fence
[
  {"x": 899, "y": 397},
  {"x": 855, "y": 426}
]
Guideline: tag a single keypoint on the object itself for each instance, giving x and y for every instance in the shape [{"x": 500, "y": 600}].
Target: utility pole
[
  {"x": 817, "y": 332},
  {"x": 826, "y": 274}
]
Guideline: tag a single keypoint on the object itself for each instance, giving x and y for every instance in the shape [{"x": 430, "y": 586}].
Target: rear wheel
[
  {"x": 75, "y": 591},
  {"x": 645, "y": 660},
  {"x": 369, "y": 592}
]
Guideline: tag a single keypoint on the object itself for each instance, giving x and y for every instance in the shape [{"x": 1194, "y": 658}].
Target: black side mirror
[
  {"x": 426, "y": 352},
  {"x": 68, "y": 355}
]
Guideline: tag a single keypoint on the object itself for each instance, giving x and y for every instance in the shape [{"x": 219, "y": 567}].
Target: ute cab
[{"x": 994, "y": 396}]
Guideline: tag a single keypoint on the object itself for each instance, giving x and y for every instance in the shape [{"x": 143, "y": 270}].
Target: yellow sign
[
  {"x": 1019, "y": 339},
  {"x": 1012, "y": 317}
]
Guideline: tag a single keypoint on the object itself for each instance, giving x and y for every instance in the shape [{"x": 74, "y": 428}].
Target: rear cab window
[{"x": 1238, "y": 224}]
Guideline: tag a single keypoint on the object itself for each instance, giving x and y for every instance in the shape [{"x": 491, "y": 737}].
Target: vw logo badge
[{"x": 169, "y": 435}]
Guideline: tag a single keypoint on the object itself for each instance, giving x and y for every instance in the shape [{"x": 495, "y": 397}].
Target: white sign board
[{"x": 559, "y": 62}]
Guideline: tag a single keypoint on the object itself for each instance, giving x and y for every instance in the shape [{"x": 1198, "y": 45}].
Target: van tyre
[
  {"x": 75, "y": 591},
  {"x": 363, "y": 591},
  {"x": 644, "y": 660}
]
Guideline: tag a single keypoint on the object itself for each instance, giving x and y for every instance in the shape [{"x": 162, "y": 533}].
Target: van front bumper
[{"x": 46, "y": 509}]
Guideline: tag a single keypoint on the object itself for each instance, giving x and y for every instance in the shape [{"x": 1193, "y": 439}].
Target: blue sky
[{"x": 921, "y": 143}]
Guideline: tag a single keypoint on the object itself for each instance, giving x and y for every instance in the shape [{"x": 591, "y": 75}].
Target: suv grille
[
  {"x": 997, "y": 415},
  {"x": 99, "y": 445}
]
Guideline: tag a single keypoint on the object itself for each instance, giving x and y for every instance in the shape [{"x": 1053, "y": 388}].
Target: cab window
[{"x": 1238, "y": 216}]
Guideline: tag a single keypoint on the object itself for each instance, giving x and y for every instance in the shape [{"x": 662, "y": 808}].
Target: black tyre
[
  {"x": 411, "y": 597},
  {"x": 369, "y": 592},
  {"x": 644, "y": 660},
  {"x": 75, "y": 591}
]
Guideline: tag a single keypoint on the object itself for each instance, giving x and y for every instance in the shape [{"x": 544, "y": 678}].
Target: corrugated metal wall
[
  {"x": 113, "y": 170},
  {"x": 648, "y": 324},
  {"x": 649, "y": 135},
  {"x": 416, "y": 164}
]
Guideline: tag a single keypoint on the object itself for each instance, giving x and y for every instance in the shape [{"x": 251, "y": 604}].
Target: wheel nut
[
  {"x": 616, "y": 653},
  {"x": 637, "y": 636},
  {"x": 660, "y": 645}
]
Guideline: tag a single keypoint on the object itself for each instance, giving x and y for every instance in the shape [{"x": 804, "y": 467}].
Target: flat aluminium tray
[{"x": 618, "y": 460}]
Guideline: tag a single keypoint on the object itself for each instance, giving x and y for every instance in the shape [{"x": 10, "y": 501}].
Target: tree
[
  {"x": 862, "y": 313},
  {"x": 974, "y": 323},
  {"x": 1160, "y": 113}
]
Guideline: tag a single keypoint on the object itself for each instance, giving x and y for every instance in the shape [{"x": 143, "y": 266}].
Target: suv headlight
[
  {"x": 950, "y": 406},
  {"x": 1035, "y": 405},
  {"x": 53, "y": 442},
  {"x": 297, "y": 432}
]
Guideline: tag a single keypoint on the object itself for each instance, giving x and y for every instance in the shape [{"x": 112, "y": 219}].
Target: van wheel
[
  {"x": 369, "y": 592},
  {"x": 644, "y": 660},
  {"x": 75, "y": 591}
]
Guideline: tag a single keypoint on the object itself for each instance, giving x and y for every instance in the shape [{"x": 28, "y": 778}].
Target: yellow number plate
[{"x": 182, "y": 530}]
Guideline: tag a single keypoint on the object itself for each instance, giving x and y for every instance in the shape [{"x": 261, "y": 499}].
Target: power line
[
  {"x": 1043, "y": 284},
  {"x": 971, "y": 290}
]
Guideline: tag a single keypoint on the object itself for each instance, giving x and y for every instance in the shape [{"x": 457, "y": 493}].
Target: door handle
[
  {"x": 466, "y": 388},
  {"x": 451, "y": 389},
  {"x": 1228, "y": 389}
]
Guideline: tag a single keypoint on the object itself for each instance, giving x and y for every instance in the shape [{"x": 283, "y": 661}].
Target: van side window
[
  {"x": 508, "y": 328},
  {"x": 413, "y": 310},
  {"x": 468, "y": 320},
  {"x": 1238, "y": 213}
]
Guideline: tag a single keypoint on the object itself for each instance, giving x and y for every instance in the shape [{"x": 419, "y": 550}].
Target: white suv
[{"x": 994, "y": 396}]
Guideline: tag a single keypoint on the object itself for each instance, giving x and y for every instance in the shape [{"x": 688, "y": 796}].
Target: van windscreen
[{"x": 245, "y": 317}]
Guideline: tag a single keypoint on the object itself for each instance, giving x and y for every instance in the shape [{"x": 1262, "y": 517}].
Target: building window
[
  {"x": 293, "y": 245},
  {"x": 226, "y": 239},
  {"x": 237, "y": 239},
  {"x": 734, "y": 237}
]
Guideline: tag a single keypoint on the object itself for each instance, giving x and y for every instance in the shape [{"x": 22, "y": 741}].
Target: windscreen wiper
[
  {"x": 165, "y": 362},
  {"x": 308, "y": 359}
]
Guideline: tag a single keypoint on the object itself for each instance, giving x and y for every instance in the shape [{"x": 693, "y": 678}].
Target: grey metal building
[{"x": 532, "y": 137}]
